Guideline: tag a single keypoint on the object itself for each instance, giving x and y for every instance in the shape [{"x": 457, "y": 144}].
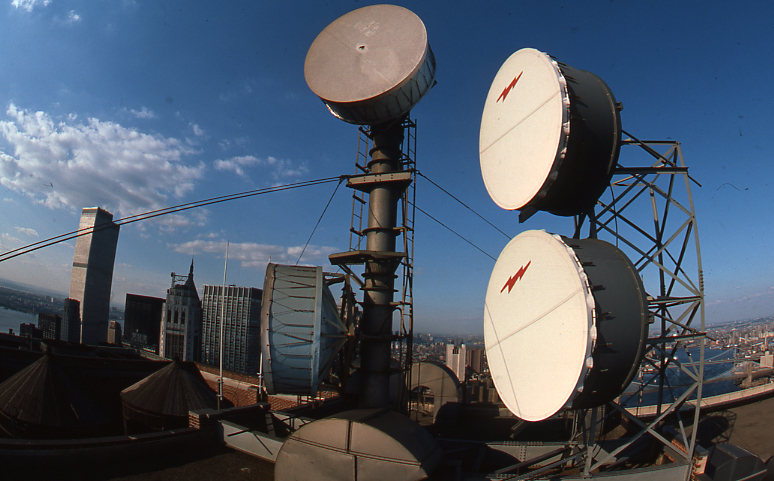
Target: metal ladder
[{"x": 405, "y": 304}]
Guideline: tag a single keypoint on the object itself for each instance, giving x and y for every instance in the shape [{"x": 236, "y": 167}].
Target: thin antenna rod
[{"x": 222, "y": 320}]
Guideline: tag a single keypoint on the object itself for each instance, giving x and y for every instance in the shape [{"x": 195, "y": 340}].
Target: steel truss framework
[
  {"x": 665, "y": 250},
  {"x": 649, "y": 214}
]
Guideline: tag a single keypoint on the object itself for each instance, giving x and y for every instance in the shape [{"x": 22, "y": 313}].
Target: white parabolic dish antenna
[
  {"x": 564, "y": 324},
  {"x": 550, "y": 135},
  {"x": 371, "y": 65},
  {"x": 301, "y": 332}
]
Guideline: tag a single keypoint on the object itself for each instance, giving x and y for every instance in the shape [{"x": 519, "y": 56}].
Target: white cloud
[
  {"x": 286, "y": 168},
  {"x": 72, "y": 18},
  {"x": 237, "y": 164},
  {"x": 197, "y": 130},
  {"x": 279, "y": 169},
  {"x": 173, "y": 222},
  {"x": 72, "y": 165},
  {"x": 8, "y": 242},
  {"x": 143, "y": 113},
  {"x": 251, "y": 254},
  {"x": 29, "y": 4},
  {"x": 27, "y": 231}
]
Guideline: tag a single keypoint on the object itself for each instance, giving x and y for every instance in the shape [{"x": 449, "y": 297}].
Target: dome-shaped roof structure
[
  {"x": 163, "y": 399},
  {"x": 373, "y": 443},
  {"x": 43, "y": 401}
]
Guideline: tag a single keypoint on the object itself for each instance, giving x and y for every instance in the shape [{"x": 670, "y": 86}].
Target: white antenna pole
[
  {"x": 261, "y": 387},
  {"x": 260, "y": 378},
  {"x": 222, "y": 320}
]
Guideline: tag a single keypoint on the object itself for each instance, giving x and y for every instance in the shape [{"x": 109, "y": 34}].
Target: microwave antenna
[{"x": 550, "y": 141}]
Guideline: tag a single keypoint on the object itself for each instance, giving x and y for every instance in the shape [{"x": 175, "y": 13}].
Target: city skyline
[{"x": 135, "y": 107}]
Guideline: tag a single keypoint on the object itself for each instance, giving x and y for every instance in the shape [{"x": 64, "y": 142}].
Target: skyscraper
[
  {"x": 142, "y": 319},
  {"x": 456, "y": 355},
  {"x": 241, "y": 329},
  {"x": 92, "y": 275},
  {"x": 181, "y": 323},
  {"x": 71, "y": 321},
  {"x": 51, "y": 325},
  {"x": 114, "y": 333}
]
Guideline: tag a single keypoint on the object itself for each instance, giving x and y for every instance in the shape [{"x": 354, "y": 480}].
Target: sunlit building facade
[
  {"x": 92, "y": 274},
  {"x": 181, "y": 323},
  {"x": 241, "y": 329}
]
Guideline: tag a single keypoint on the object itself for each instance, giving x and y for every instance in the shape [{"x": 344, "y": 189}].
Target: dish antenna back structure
[
  {"x": 301, "y": 329},
  {"x": 550, "y": 136},
  {"x": 370, "y": 67},
  {"x": 566, "y": 318},
  {"x": 565, "y": 324}
]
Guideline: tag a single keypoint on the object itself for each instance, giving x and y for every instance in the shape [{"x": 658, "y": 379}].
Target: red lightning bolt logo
[
  {"x": 508, "y": 88},
  {"x": 515, "y": 278}
]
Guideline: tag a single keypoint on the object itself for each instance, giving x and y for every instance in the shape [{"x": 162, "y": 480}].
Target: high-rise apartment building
[
  {"x": 476, "y": 357},
  {"x": 92, "y": 275},
  {"x": 71, "y": 321},
  {"x": 181, "y": 323},
  {"x": 29, "y": 330},
  {"x": 460, "y": 357},
  {"x": 142, "y": 319},
  {"x": 51, "y": 325},
  {"x": 241, "y": 330},
  {"x": 114, "y": 333},
  {"x": 455, "y": 359}
]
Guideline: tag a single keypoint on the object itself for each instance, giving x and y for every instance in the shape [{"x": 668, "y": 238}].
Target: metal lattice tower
[{"x": 650, "y": 215}]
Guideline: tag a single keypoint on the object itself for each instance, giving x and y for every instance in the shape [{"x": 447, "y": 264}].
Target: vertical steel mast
[
  {"x": 370, "y": 67},
  {"x": 385, "y": 183}
]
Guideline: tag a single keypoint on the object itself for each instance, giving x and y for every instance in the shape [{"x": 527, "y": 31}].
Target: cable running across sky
[{"x": 157, "y": 213}]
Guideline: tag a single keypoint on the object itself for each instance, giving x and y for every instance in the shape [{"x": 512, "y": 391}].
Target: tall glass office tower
[
  {"x": 241, "y": 329},
  {"x": 92, "y": 275}
]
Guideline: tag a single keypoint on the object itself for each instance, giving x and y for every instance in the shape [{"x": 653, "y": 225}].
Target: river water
[
  {"x": 11, "y": 319},
  {"x": 718, "y": 367}
]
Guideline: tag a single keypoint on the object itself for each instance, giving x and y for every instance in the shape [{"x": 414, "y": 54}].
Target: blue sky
[{"x": 134, "y": 106}]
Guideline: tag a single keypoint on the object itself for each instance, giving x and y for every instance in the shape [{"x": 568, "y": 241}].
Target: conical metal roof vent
[
  {"x": 172, "y": 391},
  {"x": 43, "y": 400}
]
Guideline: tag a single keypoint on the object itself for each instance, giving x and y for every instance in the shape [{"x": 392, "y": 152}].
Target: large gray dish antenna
[
  {"x": 371, "y": 65},
  {"x": 565, "y": 324},
  {"x": 550, "y": 136},
  {"x": 301, "y": 332}
]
